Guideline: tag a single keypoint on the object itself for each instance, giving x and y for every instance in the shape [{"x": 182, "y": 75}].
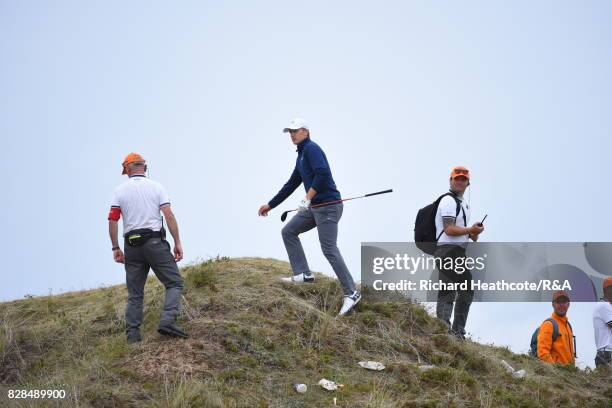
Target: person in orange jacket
[{"x": 562, "y": 349}]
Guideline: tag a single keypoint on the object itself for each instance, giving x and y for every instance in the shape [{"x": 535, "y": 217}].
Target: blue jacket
[{"x": 311, "y": 168}]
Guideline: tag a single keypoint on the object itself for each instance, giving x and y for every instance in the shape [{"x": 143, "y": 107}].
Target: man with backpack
[
  {"x": 554, "y": 340},
  {"x": 140, "y": 200},
  {"x": 453, "y": 234},
  {"x": 602, "y": 324}
]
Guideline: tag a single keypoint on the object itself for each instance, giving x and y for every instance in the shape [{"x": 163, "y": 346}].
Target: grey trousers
[
  {"x": 154, "y": 254},
  {"x": 326, "y": 220},
  {"x": 446, "y": 298}
]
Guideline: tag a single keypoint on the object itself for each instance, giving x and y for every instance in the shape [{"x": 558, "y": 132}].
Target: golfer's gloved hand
[{"x": 304, "y": 204}]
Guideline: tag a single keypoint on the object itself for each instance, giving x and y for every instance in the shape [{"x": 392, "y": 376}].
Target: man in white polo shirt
[
  {"x": 602, "y": 323},
  {"x": 140, "y": 201},
  {"x": 452, "y": 218}
]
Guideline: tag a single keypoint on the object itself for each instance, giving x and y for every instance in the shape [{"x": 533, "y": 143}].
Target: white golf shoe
[
  {"x": 349, "y": 302},
  {"x": 300, "y": 278}
]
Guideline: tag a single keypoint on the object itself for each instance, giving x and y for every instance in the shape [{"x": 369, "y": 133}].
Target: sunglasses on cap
[{"x": 461, "y": 171}]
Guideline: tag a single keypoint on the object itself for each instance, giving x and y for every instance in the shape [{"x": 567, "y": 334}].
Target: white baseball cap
[{"x": 296, "y": 123}]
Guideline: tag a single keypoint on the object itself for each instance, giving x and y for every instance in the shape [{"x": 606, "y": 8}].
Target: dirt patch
[
  {"x": 174, "y": 356},
  {"x": 22, "y": 352}
]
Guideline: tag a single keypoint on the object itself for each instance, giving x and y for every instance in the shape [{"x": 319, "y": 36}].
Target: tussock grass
[{"x": 252, "y": 337}]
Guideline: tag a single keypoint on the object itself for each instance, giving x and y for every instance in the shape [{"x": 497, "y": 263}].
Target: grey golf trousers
[
  {"x": 154, "y": 254},
  {"x": 326, "y": 220},
  {"x": 460, "y": 299}
]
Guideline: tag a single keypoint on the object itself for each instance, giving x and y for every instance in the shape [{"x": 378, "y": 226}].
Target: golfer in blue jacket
[{"x": 312, "y": 169}]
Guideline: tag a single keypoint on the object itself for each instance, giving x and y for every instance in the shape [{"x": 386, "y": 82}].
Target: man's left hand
[{"x": 304, "y": 204}]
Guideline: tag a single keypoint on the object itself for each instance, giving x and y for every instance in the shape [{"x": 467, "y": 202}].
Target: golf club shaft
[
  {"x": 378, "y": 192},
  {"x": 352, "y": 198},
  {"x": 346, "y": 199},
  {"x": 334, "y": 202}
]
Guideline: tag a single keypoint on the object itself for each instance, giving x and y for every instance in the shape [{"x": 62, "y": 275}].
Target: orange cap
[
  {"x": 132, "y": 158},
  {"x": 460, "y": 171},
  {"x": 607, "y": 282},
  {"x": 559, "y": 294}
]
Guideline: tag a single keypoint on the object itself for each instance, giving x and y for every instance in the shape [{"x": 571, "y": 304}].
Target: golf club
[{"x": 284, "y": 215}]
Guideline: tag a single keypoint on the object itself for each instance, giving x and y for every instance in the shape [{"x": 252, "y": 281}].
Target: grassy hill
[{"x": 252, "y": 337}]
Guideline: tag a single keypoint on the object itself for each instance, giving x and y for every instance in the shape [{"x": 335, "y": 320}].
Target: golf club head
[{"x": 284, "y": 216}]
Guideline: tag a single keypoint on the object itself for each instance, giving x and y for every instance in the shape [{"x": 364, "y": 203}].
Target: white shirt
[
  {"x": 602, "y": 315},
  {"x": 140, "y": 199},
  {"x": 448, "y": 208}
]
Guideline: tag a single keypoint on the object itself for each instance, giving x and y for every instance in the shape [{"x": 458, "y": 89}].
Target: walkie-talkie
[{"x": 480, "y": 224}]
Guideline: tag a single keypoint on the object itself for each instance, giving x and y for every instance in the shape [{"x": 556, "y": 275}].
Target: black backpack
[{"x": 425, "y": 225}]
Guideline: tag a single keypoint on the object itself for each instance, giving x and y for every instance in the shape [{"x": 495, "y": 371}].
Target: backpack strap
[
  {"x": 575, "y": 351},
  {"x": 458, "y": 209},
  {"x": 555, "y": 332},
  {"x": 437, "y": 202}
]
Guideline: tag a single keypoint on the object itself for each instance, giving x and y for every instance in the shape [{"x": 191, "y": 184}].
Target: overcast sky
[{"x": 396, "y": 93}]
